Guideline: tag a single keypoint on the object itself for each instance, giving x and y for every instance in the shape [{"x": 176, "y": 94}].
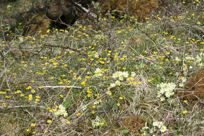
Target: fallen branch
[
  {"x": 53, "y": 87},
  {"x": 22, "y": 106}
]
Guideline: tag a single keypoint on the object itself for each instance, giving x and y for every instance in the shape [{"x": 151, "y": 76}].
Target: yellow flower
[
  {"x": 30, "y": 97},
  {"x": 184, "y": 112},
  {"x": 117, "y": 82},
  {"x": 78, "y": 114},
  {"x": 121, "y": 98},
  {"x": 51, "y": 77},
  {"x": 198, "y": 23},
  {"x": 93, "y": 106},
  {"x": 112, "y": 85},
  {"x": 60, "y": 83},
  {"x": 1, "y": 92},
  {"x": 32, "y": 124},
  {"x": 4, "y": 104},
  {"x": 109, "y": 93},
  {"x": 37, "y": 97},
  {"x": 28, "y": 130},
  {"x": 134, "y": 83},
  {"x": 17, "y": 92},
  {"x": 89, "y": 95},
  {"x": 150, "y": 80},
  {"x": 93, "y": 112},
  {"x": 21, "y": 95},
  {"x": 7, "y": 97},
  {"x": 83, "y": 83},
  {"x": 49, "y": 121},
  {"x": 29, "y": 87},
  {"x": 185, "y": 101},
  {"x": 37, "y": 100},
  {"x": 101, "y": 124},
  {"x": 130, "y": 79},
  {"x": 40, "y": 87},
  {"x": 68, "y": 122},
  {"x": 62, "y": 96},
  {"x": 33, "y": 91}
]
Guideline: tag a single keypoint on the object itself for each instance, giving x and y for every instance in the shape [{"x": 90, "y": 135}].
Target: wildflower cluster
[
  {"x": 199, "y": 59},
  {"x": 98, "y": 122},
  {"x": 182, "y": 81},
  {"x": 160, "y": 125},
  {"x": 90, "y": 67},
  {"x": 196, "y": 60},
  {"x": 98, "y": 72},
  {"x": 166, "y": 90},
  {"x": 121, "y": 76},
  {"x": 61, "y": 111},
  {"x": 154, "y": 128}
]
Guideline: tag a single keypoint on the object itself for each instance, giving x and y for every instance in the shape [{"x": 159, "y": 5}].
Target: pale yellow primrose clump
[
  {"x": 61, "y": 111},
  {"x": 182, "y": 81},
  {"x": 166, "y": 90},
  {"x": 160, "y": 125},
  {"x": 199, "y": 59},
  {"x": 120, "y": 76},
  {"x": 98, "y": 72}
]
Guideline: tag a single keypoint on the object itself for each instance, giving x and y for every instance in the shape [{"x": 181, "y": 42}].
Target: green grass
[{"x": 158, "y": 51}]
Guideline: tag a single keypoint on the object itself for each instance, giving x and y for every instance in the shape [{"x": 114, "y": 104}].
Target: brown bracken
[
  {"x": 194, "y": 87},
  {"x": 132, "y": 123},
  {"x": 138, "y": 8}
]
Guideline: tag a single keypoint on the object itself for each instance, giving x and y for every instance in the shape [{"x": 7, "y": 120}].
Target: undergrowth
[{"x": 96, "y": 78}]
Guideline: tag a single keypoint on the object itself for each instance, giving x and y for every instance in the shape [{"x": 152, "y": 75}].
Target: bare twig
[
  {"x": 53, "y": 87},
  {"x": 22, "y": 106},
  {"x": 80, "y": 7}
]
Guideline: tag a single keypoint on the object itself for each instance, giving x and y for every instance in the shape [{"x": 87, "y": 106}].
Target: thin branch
[
  {"x": 22, "y": 106},
  {"x": 80, "y": 7},
  {"x": 53, "y": 87}
]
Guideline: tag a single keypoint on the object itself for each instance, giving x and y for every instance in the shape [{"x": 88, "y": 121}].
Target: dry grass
[{"x": 105, "y": 77}]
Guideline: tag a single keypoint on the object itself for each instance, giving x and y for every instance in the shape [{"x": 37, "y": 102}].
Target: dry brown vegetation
[
  {"x": 64, "y": 12},
  {"x": 194, "y": 89},
  {"x": 103, "y": 76},
  {"x": 136, "y": 8}
]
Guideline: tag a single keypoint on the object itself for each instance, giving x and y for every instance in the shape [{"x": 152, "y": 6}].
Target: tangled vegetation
[{"x": 106, "y": 76}]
